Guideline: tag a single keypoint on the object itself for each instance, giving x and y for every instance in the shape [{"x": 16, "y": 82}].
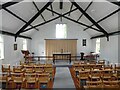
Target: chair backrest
[
  {"x": 3, "y": 77},
  {"x": 17, "y": 69},
  {"x": 5, "y": 67},
  {"x": 107, "y": 67},
  {"x": 97, "y": 66},
  {"x": 44, "y": 77},
  {"x": 101, "y": 62},
  {"x": 84, "y": 74},
  {"x": 30, "y": 77},
  {"x": 94, "y": 84}
]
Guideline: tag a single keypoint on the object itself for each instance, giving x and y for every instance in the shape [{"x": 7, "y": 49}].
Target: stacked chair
[
  {"x": 97, "y": 76},
  {"x": 27, "y": 76}
]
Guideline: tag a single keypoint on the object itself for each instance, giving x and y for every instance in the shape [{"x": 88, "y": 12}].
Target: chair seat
[
  {"x": 31, "y": 81},
  {"x": 18, "y": 81}
]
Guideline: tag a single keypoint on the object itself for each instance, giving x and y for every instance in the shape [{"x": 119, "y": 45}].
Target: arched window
[
  {"x": 1, "y": 47},
  {"x": 24, "y": 44},
  {"x": 98, "y": 45},
  {"x": 61, "y": 31}
]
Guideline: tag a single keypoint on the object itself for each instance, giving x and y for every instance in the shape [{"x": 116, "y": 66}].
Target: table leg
[
  {"x": 53, "y": 59},
  {"x": 70, "y": 58}
]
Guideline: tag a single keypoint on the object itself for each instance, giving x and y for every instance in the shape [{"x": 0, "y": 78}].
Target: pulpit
[{"x": 26, "y": 54}]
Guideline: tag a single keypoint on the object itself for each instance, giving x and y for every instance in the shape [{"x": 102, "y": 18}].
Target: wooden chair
[
  {"x": 18, "y": 80},
  {"x": 101, "y": 62},
  {"x": 6, "y": 68},
  {"x": 17, "y": 69},
  {"x": 93, "y": 85},
  {"x": 107, "y": 67},
  {"x": 83, "y": 77},
  {"x": 87, "y": 67},
  {"x": 95, "y": 75},
  {"x": 43, "y": 80},
  {"x": 111, "y": 85},
  {"x": 38, "y": 69},
  {"x": 49, "y": 70},
  {"x": 106, "y": 75},
  {"x": 28, "y": 69},
  {"x": 97, "y": 66},
  {"x": 4, "y": 80},
  {"x": 30, "y": 80},
  {"x": 92, "y": 62}
]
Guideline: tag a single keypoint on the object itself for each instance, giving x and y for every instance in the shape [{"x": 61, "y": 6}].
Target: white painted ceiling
[{"x": 26, "y": 10}]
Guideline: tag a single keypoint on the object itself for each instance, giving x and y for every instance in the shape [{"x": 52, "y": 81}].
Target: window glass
[
  {"x": 98, "y": 45},
  {"x": 1, "y": 47},
  {"x": 61, "y": 31},
  {"x": 24, "y": 44}
]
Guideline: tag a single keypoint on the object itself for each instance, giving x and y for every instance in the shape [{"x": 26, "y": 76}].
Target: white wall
[
  {"x": 119, "y": 48},
  {"x": 109, "y": 49},
  {"x": 10, "y": 56},
  {"x": 47, "y": 31}
]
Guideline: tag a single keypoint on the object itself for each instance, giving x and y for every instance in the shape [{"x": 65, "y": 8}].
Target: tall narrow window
[
  {"x": 61, "y": 31},
  {"x": 1, "y": 47},
  {"x": 98, "y": 45},
  {"x": 24, "y": 44}
]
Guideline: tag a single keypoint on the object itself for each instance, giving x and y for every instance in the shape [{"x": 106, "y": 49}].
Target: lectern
[{"x": 26, "y": 53}]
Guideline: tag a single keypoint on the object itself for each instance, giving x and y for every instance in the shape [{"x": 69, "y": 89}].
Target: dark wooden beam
[
  {"x": 51, "y": 9},
  {"x": 85, "y": 10},
  {"x": 9, "y": 4},
  {"x": 110, "y": 34},
  {"x": 91, "y": 19},
  {"x": 72, "y": 19},
  {"x": 113, "y": 2},
  {"x": 61, "y": 4},
  {"x": 61, "y": 7},
  {"x": 12, "y": 34},
  {"x": 116, "y": 3},
  {"x": 41, "y": 24},
  {"x": 114, "y": 12},
  {"x": 38, "y": 10},
  {"x": 70, "y": 8},
  {"x": 18, "y": 17},
  {"x": 61, "y": 19},
  {"x": 33, "y": 18},
  {"x": 50, "y": 20}
]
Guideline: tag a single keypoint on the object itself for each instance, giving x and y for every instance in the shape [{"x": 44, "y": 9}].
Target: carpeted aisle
[{"x": 63, "y": 78}]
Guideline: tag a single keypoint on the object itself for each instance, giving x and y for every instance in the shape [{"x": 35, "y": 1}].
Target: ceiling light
[{"x": 118, "y": 0}]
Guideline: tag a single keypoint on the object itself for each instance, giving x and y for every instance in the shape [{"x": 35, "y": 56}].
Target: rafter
[
  {"x": 114, "y": 12},
  {"x": 61, "y": 4},
  {"x": 18, "y": 17},
  {"x": 91, "y": 19},
  {"x": 38, "y": 10},
  {"x": 115, "y": 3},
  {"x": 33, "y": 18},
  {"x": 70, "y": 8},
  {"x": 110, "y": 34},
  {"x": 12, "y": 34},
  {"x": 50, "y": 20},
  {"x": 9, "y": 4},
  {"x": 51, "y": 9},
  {"x": 72, "y": 20},
  {"x": 85, "y": 10}
]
